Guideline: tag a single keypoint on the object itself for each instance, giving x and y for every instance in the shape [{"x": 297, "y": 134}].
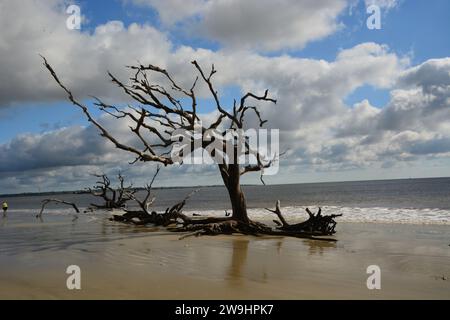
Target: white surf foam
[
  {"x": 351, "y": 214},
  {"x": 297, "y": 213}
]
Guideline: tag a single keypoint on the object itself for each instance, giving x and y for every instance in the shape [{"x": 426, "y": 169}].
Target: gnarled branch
[
  {"x": 46, "y": 201},
  {"x": 113, "y": 197},
  {"x": 316, "y": 225}
]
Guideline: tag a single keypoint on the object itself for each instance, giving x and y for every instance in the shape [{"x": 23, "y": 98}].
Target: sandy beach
[
  {"x": 225, "y": 150},
  {"x": 146, "y": 263}
]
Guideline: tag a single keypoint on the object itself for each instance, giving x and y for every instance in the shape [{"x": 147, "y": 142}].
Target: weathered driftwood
[
  {"x": 173, "y": 218},
  {"x": 172, "y": 215},
  {"x": 314, "y": 228},
  {"x": 114, "y": 198},
  {"x": 47, "y": 201},
  {"x": 315, "y": 225}
]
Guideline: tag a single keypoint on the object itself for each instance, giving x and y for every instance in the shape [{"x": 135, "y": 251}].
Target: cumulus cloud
[
  {"x": 320, "y": 130},
  {"x": 173, "y": 11},
  {"x": 253, "y": 24},
  {"x": 64, "y": 147},
  {"x": 82, "y": 59},
  {"x": 414, "y": 123},
  {"x": 270, "y": 25},
  {"x": 421, "y": 101}
]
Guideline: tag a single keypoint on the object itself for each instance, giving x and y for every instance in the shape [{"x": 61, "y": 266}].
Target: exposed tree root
[
  {"x": 316, "y": 224},
  {"x": 230, "y": 226}
]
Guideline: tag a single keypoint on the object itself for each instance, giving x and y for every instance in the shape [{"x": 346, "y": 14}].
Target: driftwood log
[
  {"x": 316, "y": 224},
  {"x": 47, "y": 201},
  {"x": 314, "y": 228},
  {"x": 172, "y": 215},
  {"x": 173, "y": 218}
]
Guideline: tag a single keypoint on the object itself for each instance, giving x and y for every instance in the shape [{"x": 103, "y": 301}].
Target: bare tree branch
[
  {"x": 160, "y": 114},
  {"x": 147, "y": 201},
  {"x": 142, "y": 156},
  {"x": 114, "y": 197},
  {"x": 46, "y": 201}
]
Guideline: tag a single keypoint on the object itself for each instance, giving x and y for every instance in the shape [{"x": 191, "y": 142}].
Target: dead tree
[
  {"x": 46, "y": 201},
  {"x": 144, "y": 215},
  {"x": 114, "y": 198},
  {"x": 172, "y": 215},
  {"x": 161, "y": 116}
]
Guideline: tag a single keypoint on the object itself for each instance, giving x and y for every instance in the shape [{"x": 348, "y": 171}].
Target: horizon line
[{"x": 219, "y": 185}]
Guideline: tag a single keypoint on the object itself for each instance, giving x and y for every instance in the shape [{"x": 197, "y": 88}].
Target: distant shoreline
[{"x": 50, "y": 193}]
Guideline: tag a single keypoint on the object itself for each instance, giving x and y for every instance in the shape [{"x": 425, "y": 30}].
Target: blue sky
[
  {"x": 354, "y": 103},
  {"x": 414, "y": 27}
]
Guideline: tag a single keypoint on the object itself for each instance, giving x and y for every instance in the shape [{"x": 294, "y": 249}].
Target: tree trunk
[{"x": 231, "y": 178}]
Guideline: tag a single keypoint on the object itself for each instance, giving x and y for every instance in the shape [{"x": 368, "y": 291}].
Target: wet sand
[{"x": 145, "y": 263}]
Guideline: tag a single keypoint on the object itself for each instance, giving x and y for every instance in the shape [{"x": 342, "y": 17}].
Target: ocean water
[{"x": 413, "y": 201}]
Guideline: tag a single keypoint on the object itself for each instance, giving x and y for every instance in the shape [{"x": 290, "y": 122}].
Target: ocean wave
[
  {"x": 52, "y": 211},
  {"x": 297, "y": 213},
  {"x": 351, "y": 214}
]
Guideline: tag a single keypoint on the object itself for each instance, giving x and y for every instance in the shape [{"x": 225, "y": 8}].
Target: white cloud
[
  {"x": 253, "y": 24},
  {"x": 384, "y": 4},
  {"x": 321, "y": 131},
  {"x": 39, "y": 27},
  {"x": 173, "y": 11}
]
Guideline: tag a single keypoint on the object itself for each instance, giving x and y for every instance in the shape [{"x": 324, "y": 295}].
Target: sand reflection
[{"x": 238, "y": 261}]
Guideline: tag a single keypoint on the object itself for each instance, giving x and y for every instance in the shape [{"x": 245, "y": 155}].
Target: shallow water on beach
[
  {"x": 413, "y": 201},
  {"x": 124, "y": 261}
]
